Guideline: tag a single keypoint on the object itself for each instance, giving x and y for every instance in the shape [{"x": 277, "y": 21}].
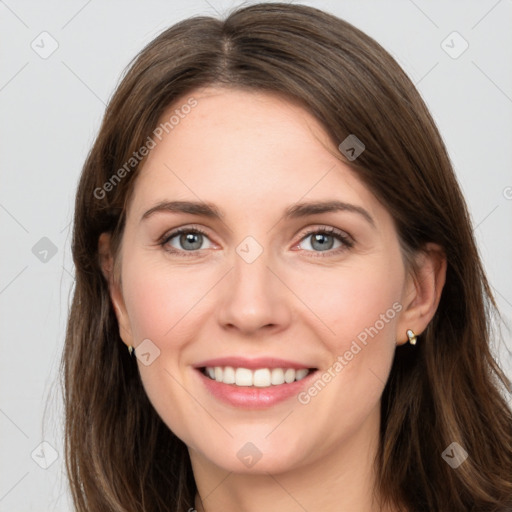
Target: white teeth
[
  {"x": 261, "y": 378},
  {"x": 229, "y": 375},
  {"x": 243, "y": 377},
  {"x": 300, "y": 374},
  {"x": 289, "y": 375},
  {"x": 277, "y": 376}
]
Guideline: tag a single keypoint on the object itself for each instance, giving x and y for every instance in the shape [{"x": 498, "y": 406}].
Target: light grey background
[{"x": 50, "y": 112}]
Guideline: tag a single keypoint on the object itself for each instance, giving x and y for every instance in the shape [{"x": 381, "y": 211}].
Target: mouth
[
  {"x": 254, "y": 388},
  {"x": 258, "y": 378}
]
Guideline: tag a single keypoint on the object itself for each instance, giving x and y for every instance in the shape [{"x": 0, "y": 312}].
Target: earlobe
[{"x": 422, "y": 292}]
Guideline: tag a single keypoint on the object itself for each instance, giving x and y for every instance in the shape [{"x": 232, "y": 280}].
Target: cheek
[
  {"x": 358, "y": 308},
  {"x": 354, "y": 303},
  {"x": 359, "y": 305},
  {"x": 157, "y": 298},
  {"x": 160, "y": 304}
]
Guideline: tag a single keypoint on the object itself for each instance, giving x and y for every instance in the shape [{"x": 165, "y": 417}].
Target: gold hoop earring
[{"x": 412, "y": 337}]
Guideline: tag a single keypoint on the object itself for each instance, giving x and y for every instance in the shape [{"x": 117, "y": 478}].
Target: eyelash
[{"x": 347, "y": 241}]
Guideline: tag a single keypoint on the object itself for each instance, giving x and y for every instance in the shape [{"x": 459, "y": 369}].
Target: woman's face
[{"x": 255, "y": 289}]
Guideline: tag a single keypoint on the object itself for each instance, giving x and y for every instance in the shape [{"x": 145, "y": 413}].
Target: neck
[{"x": 342, "y": 478}]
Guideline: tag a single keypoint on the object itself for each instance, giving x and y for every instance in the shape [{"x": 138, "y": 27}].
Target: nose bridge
[
  {"x": 253, "y": 296},
  {"x": 251, "y": 274}
]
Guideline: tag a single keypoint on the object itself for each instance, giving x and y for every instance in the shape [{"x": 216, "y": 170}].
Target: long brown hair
[{"x": 120, "y": 456}]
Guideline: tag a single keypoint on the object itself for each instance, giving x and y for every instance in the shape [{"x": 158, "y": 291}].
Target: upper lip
[{"x": 252, "y": 364}]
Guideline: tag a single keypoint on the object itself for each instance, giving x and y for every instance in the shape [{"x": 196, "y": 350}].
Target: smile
[
  {"x": 258, "y": 388},
  {"x": 261, "y": 377}
]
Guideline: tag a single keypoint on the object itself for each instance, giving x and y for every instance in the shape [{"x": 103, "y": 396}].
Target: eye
[
  {"x": 326, "y": 239},
  {"x": 190, "y": 240},
  {"x": 185, "y": 240}
]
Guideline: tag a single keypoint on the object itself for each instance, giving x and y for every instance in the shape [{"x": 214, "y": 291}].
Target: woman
[{"x": 270, "y": 223}]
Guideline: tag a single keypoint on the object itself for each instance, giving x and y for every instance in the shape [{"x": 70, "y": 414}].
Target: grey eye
[
  {"x": 187, "y": 240},
  {"x": 320, "y": 241}
]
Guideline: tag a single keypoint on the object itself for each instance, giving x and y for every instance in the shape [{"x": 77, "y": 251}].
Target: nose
[{"x": 254, "y": 298}]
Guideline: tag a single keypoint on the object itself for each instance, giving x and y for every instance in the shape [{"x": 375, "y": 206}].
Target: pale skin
[{"x": 252, "y": 155}]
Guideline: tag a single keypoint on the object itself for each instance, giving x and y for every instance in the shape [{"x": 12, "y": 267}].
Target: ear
[
  {"x": 422, "y": 291},
  {"x": 116, "y": 296}
]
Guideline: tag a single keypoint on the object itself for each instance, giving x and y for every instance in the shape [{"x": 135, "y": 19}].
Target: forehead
[{"x": 244, "y": 149}]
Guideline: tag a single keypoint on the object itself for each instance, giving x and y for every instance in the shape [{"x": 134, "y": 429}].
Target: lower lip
[{"x": 252, "y": 397}]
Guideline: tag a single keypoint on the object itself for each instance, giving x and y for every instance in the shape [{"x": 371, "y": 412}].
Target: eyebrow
[{"x": 295, "y": 211}]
